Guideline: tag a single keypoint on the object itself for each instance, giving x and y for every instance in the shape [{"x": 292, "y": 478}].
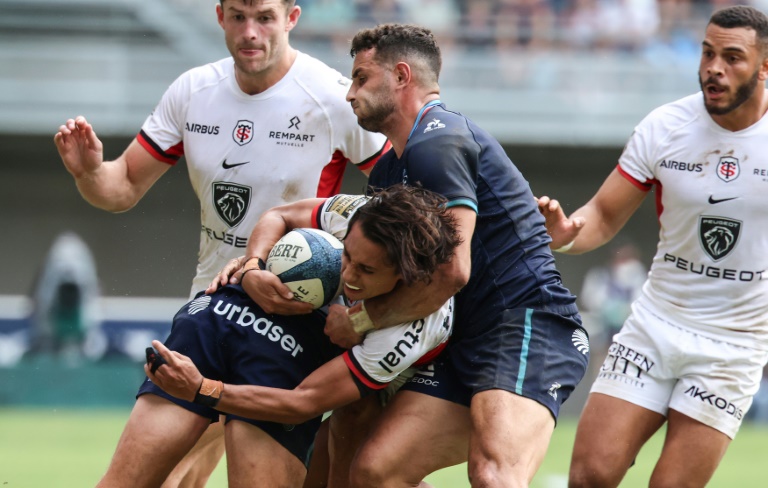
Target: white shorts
[{"x": 657, "y": 365}]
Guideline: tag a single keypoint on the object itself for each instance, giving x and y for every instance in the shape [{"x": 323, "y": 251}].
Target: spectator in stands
[
  {"x": 524, "y": 23},
  {"x": 440, "y": 16},
  {"x": 476, "y": 27},
  {"x": 612, "y": 24},
  {"x": 317, "y": 15},
  {"x": 372, "y": 12}
]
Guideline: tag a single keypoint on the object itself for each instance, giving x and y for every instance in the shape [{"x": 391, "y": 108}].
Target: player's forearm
[
  {"x": 267, "y": 231},
  {"x": 595, "y": 232},
  {"x": 409, "y": 303},
  {"x": 276, "y": 222},
  {"x": 108, "y": 187},
  {"x": 607, "y": 212},
  {"x": 328, "y": 387},
  {"x": 603, "y": 220},
  {"x": 269, "y": 404}
]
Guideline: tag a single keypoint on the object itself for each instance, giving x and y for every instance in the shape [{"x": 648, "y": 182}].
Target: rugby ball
[{"x": 308, "y": 261}]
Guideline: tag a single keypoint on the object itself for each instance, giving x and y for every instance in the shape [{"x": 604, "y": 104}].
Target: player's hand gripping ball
[{"x": 308, "y": 261}]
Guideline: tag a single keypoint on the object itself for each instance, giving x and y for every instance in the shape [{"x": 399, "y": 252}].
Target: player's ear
[
  {"x": 220, "y": 14},
  {"x": 763, "y": 72},
  {"x": 293, "y": 17},
  {"x": 402, "y": 73}
]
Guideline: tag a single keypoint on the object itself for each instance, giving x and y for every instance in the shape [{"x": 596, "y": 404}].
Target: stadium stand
[{"x": 565, "y": 83}]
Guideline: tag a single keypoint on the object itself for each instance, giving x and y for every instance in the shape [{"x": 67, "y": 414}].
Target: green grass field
[{"x": 71, "y": 448}]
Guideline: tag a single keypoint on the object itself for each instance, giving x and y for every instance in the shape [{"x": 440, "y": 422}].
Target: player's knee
[
  {"x": 584, "y": 474},
  {"x": 502, "y": 469},
  {"x": 484, "y": 473},
  {"x": 369, "y": 470}
]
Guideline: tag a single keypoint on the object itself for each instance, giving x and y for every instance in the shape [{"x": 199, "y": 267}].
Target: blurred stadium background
[{"x": 561, "y": 83}]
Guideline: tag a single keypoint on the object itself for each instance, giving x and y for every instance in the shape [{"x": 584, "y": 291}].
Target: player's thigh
[
  {"x": 319, "y": 460},
  {"x": 629, "y": 399},
  {"x": 156, "y": 437},
  {"x": 349, "y": 427},
  {"x": 691, "y": 453},
  {"x": 256, "y": 458},
  {"x": 510, "y": 434},
  {"x": 198, "y": 464},
  {"x": 416, "y": 435},
  {"x": 609, "y": 435}
]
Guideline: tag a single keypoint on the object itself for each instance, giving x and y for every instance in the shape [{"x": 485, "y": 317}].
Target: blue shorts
[
  {"x": 535, "y": 354},
  {"x": 229, "y": 338}
]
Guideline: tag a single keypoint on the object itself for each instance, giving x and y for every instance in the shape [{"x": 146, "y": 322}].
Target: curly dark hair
[
  {"x": 415, "y": 228},
  {"x": 397, "y": 42},
  {"x": 743, "y": 16}
]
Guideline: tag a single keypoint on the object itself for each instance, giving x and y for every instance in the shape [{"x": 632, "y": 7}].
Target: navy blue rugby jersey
[
  {"x": 512, "y": 265},
  {"x": 232, "y": 335}
]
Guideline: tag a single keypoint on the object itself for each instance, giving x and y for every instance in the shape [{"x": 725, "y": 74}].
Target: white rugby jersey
[
  {"x": 709, "y": 271},
  {"x": 248, "y": 153},
  {"x": 385, "y": 353}
]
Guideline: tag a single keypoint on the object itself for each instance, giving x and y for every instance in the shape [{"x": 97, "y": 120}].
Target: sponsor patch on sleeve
[{"x": 345, "y": 205}]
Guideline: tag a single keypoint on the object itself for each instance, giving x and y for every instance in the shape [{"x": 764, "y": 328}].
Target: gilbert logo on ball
[{"x": 308, "y": 261}]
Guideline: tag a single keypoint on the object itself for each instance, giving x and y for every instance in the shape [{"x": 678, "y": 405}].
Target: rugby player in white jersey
[
  {"x": 399, "y": 237},
  {"x": 268, "y": 125},
  {"x": 692, "y": 352}
]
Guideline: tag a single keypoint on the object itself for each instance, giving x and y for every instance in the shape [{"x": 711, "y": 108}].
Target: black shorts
[
  {"x": 535, "y": 354},
  {"x": 229, "y": 338}
]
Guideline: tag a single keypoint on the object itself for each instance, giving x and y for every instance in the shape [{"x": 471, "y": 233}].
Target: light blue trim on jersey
[
  {"x": 419, "y": 115},
  {"x": 462, "y": 201},
  {"x": 524, "y": 352}
]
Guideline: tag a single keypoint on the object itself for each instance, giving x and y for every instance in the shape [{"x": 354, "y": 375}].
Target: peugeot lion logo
[
  {"x": 231, "y": 201},
  {"x": 718, "y": 235}
]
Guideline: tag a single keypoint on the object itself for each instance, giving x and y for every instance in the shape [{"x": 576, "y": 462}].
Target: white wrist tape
[
  {"x": 566, "y": 247},
  {"x": 361, "y": 321}
]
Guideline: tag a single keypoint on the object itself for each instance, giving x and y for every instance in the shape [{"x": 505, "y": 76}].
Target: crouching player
[{"x": 268, "y": 373}]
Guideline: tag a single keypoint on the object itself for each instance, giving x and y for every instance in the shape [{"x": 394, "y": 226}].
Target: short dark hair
[
  {"x": 287, "y": 3},
  {"x": 395, "y": 42},
  {"x": 415, "y": 228},
  {"x": 743, "y": 16}
]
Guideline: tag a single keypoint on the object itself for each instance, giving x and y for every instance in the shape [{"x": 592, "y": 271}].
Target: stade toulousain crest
[
  {"x": 728, "y": 169},
  {"x": 243, "y": 132},
  {"x": 231, "y": 201},
  {"x": 718, "y": 235}
]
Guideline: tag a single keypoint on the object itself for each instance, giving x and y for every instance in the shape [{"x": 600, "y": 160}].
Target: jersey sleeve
[
  {"x": 334, "y": 214},
  {"x": 636, "y": 161},
  {"x": 445, "y": 166},
  {"x": 385, "y": 353},
  {"x": 162, "y": 133}
]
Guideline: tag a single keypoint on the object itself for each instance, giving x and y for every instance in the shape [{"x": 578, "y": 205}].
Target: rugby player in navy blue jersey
[
  {"x": 518, "y": 348},
  {"x": 400, "y": 235}
]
